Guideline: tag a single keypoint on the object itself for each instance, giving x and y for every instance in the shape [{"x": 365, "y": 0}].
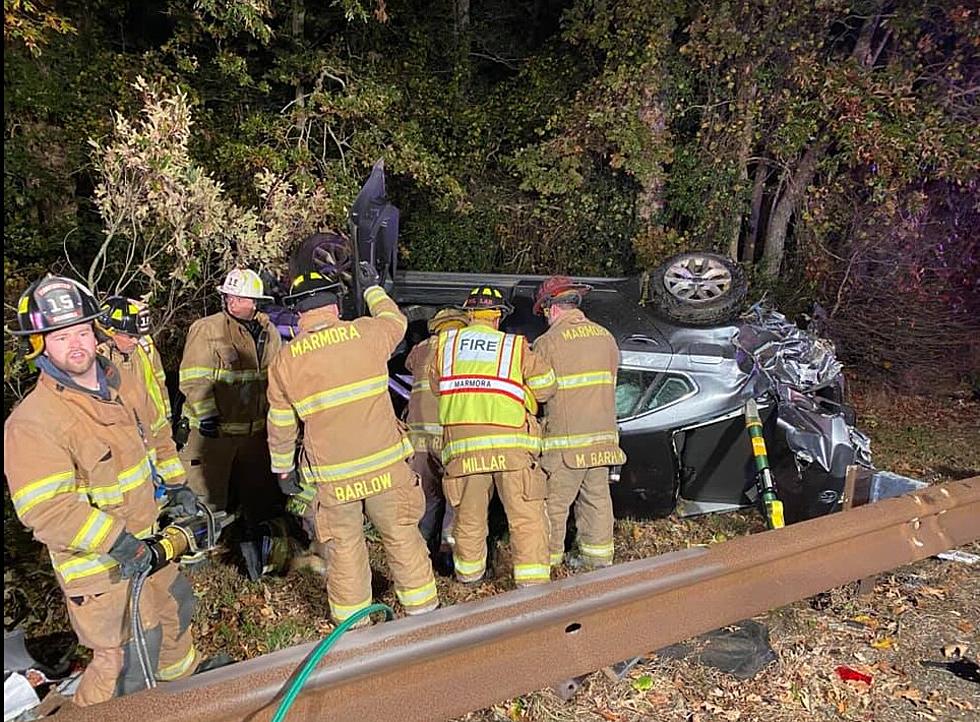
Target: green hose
[{"x": 318, "y": 653}]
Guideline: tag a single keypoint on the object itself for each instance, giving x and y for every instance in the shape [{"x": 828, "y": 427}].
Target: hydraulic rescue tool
[
  {"x": 767, "y": 487},
  {"x": 189, "y": 535}
]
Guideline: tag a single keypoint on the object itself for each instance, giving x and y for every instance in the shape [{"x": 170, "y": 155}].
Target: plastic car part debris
[
  {"x": 18, "y": 696},
  {"x": 617, "y": 671},
  {"x": 741, "y": 649},
  {"x": 955, "y": 555},
  {"x": 568, "y": 688},
  {"x": 852, "y": 675},
  {"x": 963, "y": 668}
]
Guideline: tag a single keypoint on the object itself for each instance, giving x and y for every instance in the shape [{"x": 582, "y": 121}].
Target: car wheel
[
  {"x": 323, "y": 252},
  {"x": 698, "y": 289}
]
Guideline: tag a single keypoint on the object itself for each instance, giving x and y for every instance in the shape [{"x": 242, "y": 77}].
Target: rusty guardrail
[{"x": 468, "y": 656}]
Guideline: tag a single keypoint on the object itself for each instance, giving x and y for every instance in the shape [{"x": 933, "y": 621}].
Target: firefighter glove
[
  {"x": 289, "y": 483},
  {"x": 367, "y": 275},
  {"x": 181, "y": 501},
  {"x": 181, "y": 432},
  {"x": 297, "y": 506},
  {"x": 209, "y": 427},
  {"x": 133, "y": 555}
]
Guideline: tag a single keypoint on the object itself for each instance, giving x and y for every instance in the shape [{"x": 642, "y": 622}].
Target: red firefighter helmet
[{"x": 560, "y": 289}]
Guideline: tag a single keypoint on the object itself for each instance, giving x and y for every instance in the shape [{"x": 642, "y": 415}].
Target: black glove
[
  {"x": 289, "y": 483},
  {"x": 181, "y": 500},
  {"x": 133, "y": 555},
  {"x": 181, "y": 432},
  {"x": 209, "y": 427},
  {"x": 367, "y": 275}
]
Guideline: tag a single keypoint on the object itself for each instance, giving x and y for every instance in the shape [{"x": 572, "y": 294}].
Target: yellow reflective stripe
[
  {"x": 532, "y": 572},
  {"x": 483, "y": 443},
  {"x": 364, "y": 465},
  {"x": 601, "y": 551},
  {"x": 421, "y": 386},
  {"x": 374, "y": 294},
  {"x": 417, "y": 596},
  {"x": 591, "y": 378},
  {"x": 84, "y": 565},
  {"x": 307, "y": 494},
  {"x": 158, "y": 424},
  {"x": 93, "y": 531},
  {"x": 178, "y": 668},
  {"x": 241, "y": 428},
  {"x": 374, "y": 386},
  {"x": 282, "y": 417},
  {"x": 228, "y": 376},
  {"x": 555, "y": 559},
  {"x": 575, "y": 441},
  {"x": 418, "y": 427},
  {"x": 466, "y": 568},
  {"x": 541, "y": 380},
  {"x": 153, "y": 388},
  {"x": 45, "y": 488},
  {"x": 170, "y": 469},
  {"x": 282, "y": 462},
  {"x": 340, "y": 612},
  {"x": 201, "y": 409}
]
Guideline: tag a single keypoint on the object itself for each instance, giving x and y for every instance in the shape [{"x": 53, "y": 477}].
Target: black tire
[
  {"x": 321, "y": 252},
  {"x": 719, "y": 289}
]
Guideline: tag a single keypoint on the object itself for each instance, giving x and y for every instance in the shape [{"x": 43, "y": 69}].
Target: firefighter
[
  {"x": 489, "y": 383},
  {"x": 80, "y": 461},
  {"x": 333, "y": 377},
  {"x": 425, "y": 432},
  {"x": 223, "y": 377},
  {"x": 126, "y": 323},
  {"x": 580, "y": 440}
]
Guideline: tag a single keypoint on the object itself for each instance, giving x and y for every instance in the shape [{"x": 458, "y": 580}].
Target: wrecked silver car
[{"x": 681, "y": 392}]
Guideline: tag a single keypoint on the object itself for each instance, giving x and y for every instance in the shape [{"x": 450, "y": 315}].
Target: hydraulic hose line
[
  {"x": 139, "y": 634},
  {"x": 296, "y": 686}
]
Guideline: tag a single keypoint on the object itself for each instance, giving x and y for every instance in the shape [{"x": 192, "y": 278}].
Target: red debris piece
[{"x": 852, "y": 675}]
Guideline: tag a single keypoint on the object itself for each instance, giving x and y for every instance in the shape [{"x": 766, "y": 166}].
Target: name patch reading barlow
[
  {"x": 601, "y": 458},
  {"x": 585, "y": 331},
  {"x": 322, "y": 339},
  {"x": 362, "y": 488},
  {"x": 478, "y": 464}
]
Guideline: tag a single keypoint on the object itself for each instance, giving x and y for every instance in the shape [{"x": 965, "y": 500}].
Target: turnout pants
[
  {"x": 522, "y": 493},
  {"x": 233, "y": 472},
  {"x": 588, "y": 489},
  {"x": 430, "y": 471},
  {"x": 395, "y": 514},
  {"x": 101, "y": 622}
]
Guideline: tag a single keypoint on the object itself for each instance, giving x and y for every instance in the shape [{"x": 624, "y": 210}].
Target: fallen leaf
[
  {"x": 607, "y": 715},
  {"x": 932, "y": 592},
  {"x": 644, "y": 683},
  {"x": 965, "y": 706},
  {"x": 805, "y": 700},
  {"x": 865, "y": 620},
  {"x": 883, "y": 643},
  {"x": 912, "y": 694},
  {"x": 965, "y": 627},
  {"x": 658, "y": 698}
]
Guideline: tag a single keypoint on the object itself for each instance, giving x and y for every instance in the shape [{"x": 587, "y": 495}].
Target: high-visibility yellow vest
[
  {"x": 481, "y": 381},
  {"x": 155, "y": 385}
]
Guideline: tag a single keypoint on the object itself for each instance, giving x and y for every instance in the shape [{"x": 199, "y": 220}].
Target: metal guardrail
[{"x": 471, "y": 655}]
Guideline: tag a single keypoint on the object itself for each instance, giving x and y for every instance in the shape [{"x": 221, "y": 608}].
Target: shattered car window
[{"x": 639, "y": 392}]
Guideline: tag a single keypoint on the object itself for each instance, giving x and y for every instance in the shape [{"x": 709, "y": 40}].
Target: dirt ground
[{"x": 914, "y": 613}]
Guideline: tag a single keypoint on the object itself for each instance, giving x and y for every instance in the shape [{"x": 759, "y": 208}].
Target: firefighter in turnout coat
[
  {"x": 580, "y": 440},
  {"x": 333, "y": 378},
  {"x": 489, "y": 383},
  {"x": 223, "y": 377},
  {"x": 126, "y": 322},
  {"x": 85, "y": 473},
  {"x": 424, "y": 429}
]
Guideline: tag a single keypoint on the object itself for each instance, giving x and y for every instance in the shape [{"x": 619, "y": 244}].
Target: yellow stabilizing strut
[{"x": 767, "y": 487}]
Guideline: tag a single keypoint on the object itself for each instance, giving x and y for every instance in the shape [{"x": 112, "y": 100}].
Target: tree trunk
[
  {"x": 462, "y": 19},
  {"x": 298, "y": 21},
  {"x": 745, "y": 106},
  {"x": 755, "y": 219},
  {"x": 650, "y": 201},
  {"x": 785, "y": 206}
]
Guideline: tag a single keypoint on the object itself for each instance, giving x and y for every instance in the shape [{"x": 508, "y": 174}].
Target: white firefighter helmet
[{"x": 245, "y": 283}]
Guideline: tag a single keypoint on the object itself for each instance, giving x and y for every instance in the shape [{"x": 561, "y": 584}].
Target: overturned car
[{"x": 689, "y": 362}]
